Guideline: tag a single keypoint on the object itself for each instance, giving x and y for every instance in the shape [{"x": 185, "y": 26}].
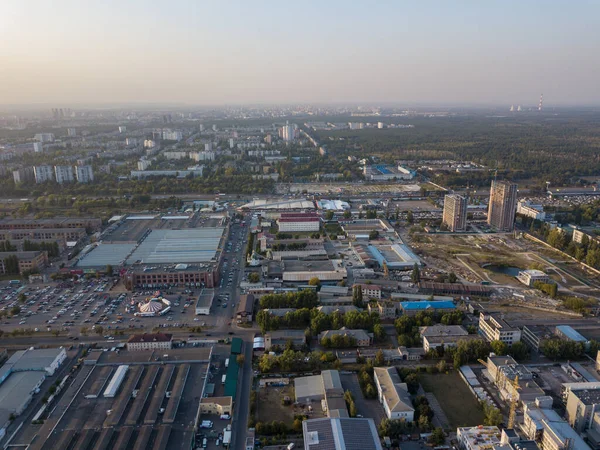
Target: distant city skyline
[{"x": 221, "y": 53}]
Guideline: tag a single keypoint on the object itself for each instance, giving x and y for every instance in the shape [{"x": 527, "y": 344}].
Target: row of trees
[
  {"x": 587, "y": 251},
  {"x": 303, "y": 299},
  {"x": 407, "y": 327},
  {"x": 11, "y": 265},
  {"x": 6, "y": 246},
  {"x": 316, "y": 321},
  {"x": 50, "y": 247},
  {"x": 296, "y": 361},
  {"x": 338, "y": 341}
]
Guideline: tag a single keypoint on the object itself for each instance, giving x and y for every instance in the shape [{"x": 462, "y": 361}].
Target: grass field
[{"x": 455, "y": 398}]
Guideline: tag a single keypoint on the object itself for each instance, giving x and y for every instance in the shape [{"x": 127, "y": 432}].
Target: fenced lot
[
  {"x": 271, "y": 407},
  {"x": 455, "y": 398}
]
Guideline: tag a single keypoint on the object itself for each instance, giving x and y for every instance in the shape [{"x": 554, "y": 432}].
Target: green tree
[
  {"x": 240, "y": 359},
  {"x": 499, "y": 348},
  {"x": 437, "y": 437},
  {"x": 491, "y": 415},
  {"x": 314, "y": 281},
  {"x": 329, "y": 215},
  {"x": 99, "y": 330},
  {"x": 409, "y": 217},
  {"x": 415, "y": 276},
  {"x": 379, "y": 358},
  {"x": 109, "y": 270},
  {"x": 253, "y": 277}
]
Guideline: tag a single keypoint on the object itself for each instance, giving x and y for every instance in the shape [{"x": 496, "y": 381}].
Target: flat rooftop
[
  {"x": 114, "y": 254},
  {"x": 190, "y": 245},
  {"x": 133, "y": 417}
]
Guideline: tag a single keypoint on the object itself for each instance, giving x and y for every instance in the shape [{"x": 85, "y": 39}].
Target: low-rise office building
[
  {"x": 290, "y": 222},
  {"x": 245, "y": 309},
  {"x": 216, "y": 405},
  {"x": 478, "y": 438},
  {"x": 393, "y": 394},
  {"x": 545, "y": 426},
  {"x": 26, "y": 261},
  {"x": 362, "y": 338},
  {"x": 369, "y": 291},
  {"x": 529, "y": 277},
  {"x": 386, "y": 310},
  {"x": 150, "y": 341},
  {"x": 494, "y": 328},
  {"x": 281, "y": 338}
]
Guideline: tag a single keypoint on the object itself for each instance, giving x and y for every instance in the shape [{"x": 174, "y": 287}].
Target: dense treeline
[
  {"x": 559, "y": 149},
  {"x": 303, "y": 299},
  {"x": 317, "y": 321},
  {"x": 587, "y": 251},
  {"x": 50, "y": 247}
]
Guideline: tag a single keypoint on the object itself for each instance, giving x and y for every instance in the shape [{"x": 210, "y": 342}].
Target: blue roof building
[{"x": 412, "y": 308}]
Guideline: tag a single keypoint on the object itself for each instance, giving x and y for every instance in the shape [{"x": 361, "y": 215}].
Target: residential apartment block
[
  {"x": 502, "y": 206},
  {"x": 455, "y": 212},
  {"x": 84, "y": 174}
]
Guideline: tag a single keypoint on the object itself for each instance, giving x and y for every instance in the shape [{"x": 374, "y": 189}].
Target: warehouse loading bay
[{"x": 126, "y": 400}]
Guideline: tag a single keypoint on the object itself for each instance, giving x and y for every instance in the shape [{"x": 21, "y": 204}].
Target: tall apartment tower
[
  {"x": 455, "y": 212},
  {"x": 503, "y": 205}
]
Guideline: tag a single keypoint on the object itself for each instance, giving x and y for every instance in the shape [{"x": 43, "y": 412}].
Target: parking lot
[
  {"x": 366, "y": 407},
  {"x": 99, "y": 305}
]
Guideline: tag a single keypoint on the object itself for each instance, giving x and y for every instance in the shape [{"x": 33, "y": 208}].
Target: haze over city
[
  {"x": 320, "y": 225},
  {"x": 237, "y": 52}
]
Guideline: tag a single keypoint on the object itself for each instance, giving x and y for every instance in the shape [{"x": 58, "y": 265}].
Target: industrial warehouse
[
  {"x": 156, "y": 252},
  {"x": 137, "y": 400}
]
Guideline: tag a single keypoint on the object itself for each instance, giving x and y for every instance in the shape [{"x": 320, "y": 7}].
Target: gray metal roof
[
  {"x": 178, "y": 246},
  {"x": 340, "y": 433},
  {"x": 15, "y": 392},
  {"x": 103, "y": 254}
]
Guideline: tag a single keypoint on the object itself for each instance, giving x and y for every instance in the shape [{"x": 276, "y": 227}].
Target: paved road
[{"x": 240, "y": 419}]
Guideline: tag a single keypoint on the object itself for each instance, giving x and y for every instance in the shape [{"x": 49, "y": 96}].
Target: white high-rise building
[
  {"x": 43, "y": 173},
  {"x": 149, "y": 143},
  {"x": 288, "y": 132},
  {"x": 208, "y": 147},
  {"x": 44, "y": 137},
  {"x": 38, "y": 147},
  {"x": 231, "y": 143},
  {"x": 84, "y": 174},
  {"x": 71, "y": 132},
  {"x": 170, "y": 135},
  {"x": 63, "y": 174},
  {"x": 131, "y": 142},
  {"x": 122, "y": 129},
  {"x": 214, "y": 128},
  {"x": 380, "y": 125}
]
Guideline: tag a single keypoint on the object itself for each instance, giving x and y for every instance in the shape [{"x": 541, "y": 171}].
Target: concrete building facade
[
  {"x": 455, "y": 212},
  {"x": 502, "y": 205}
]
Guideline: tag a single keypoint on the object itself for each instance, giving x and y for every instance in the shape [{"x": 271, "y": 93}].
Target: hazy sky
[{"x": 253, "y": 51}]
